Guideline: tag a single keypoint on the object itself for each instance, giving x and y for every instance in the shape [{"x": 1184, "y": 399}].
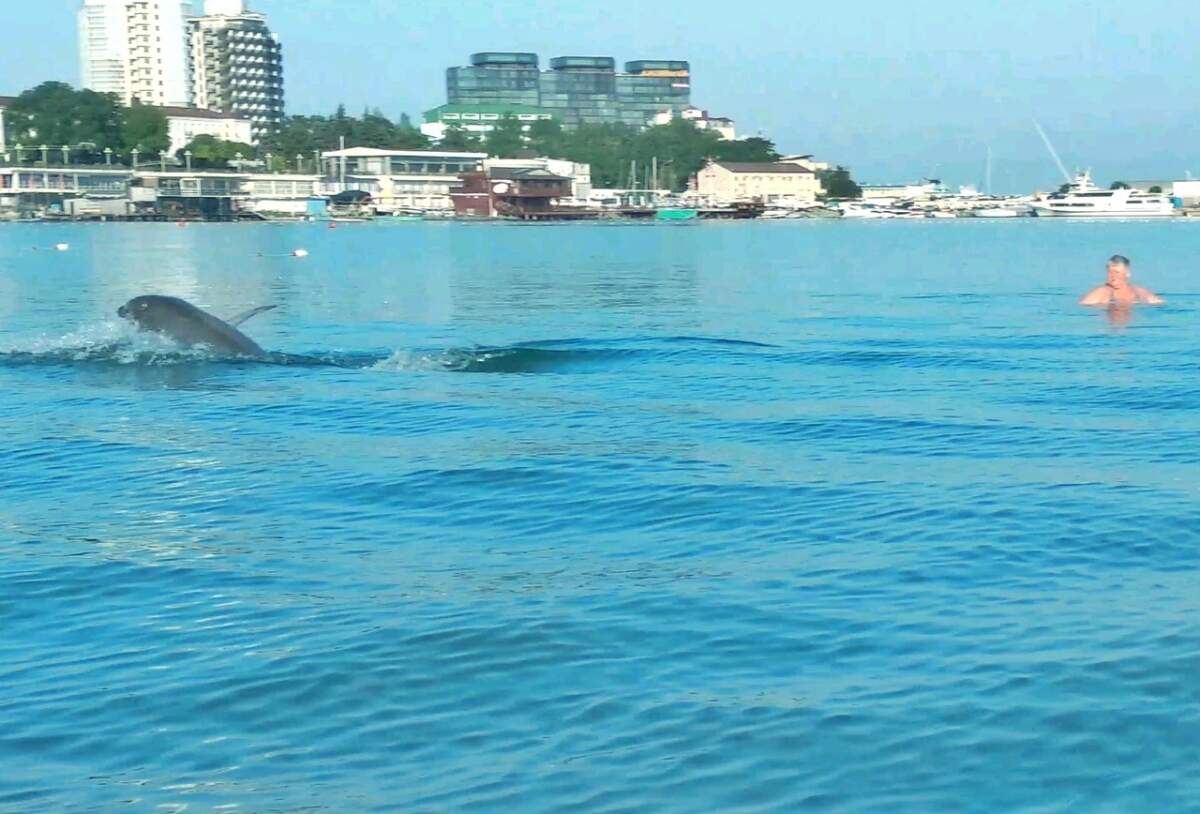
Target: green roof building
[{"x": 479, "y": 119}]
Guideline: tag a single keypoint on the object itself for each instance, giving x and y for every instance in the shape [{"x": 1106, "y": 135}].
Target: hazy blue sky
[{"x": 897, "y": 90}]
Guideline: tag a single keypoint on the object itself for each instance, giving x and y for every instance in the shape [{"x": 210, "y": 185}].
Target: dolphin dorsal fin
[{"x": 245, "y": 315}]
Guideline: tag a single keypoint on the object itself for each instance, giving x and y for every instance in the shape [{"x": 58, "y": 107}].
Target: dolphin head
[{"x": 152, "y": 312}]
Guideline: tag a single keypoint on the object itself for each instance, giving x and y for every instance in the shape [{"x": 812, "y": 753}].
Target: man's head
[{"x": 1118, "y": 270}]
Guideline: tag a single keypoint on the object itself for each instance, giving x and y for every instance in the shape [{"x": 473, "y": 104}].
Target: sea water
[{"x": 753, "y": 517}]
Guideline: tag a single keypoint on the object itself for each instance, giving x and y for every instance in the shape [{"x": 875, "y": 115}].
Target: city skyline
[{"x": 895, "y": 95}]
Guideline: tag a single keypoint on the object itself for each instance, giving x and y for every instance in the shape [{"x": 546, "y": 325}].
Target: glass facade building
[
  {"x": 576, "y": 89},
  {"x": 495, "y": 78}
]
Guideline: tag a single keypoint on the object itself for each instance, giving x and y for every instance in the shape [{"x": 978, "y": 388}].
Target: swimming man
[{"x": 1118, "y": 290}]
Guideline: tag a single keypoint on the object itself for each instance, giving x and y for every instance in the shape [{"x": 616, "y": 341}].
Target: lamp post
[
  {"x": 108, "y": 156},
  {"x": 237, "y": 157},
  {"x": 162, "y": 160},
  {"x": 20, "y": 154},
  {"x": 135, "y": 152},
  {"x": 66, "y": 151},
  {"x": 299, "y": 163},
  {"x": 270, "y": 162},
  {"x": 187, "y": 154},
  {"x": 45, "y": 156}
]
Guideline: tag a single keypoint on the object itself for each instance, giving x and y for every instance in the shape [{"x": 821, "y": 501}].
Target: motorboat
[{"x": 1083, "y": 199}]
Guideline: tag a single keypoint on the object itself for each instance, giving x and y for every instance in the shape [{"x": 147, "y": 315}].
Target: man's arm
[
  {"x": 1148, "y": 296},
  {"x": 1097, "y": 296}
]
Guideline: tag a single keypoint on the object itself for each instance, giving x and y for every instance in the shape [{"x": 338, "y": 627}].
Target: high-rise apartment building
[
  {"x": 136, "y": 49},
  {"x": 576, "y": 90},
  {"x": 237, "y": 64}
]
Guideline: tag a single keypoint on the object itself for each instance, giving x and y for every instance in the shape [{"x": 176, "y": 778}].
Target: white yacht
[{"x": 1083, "y": 199}]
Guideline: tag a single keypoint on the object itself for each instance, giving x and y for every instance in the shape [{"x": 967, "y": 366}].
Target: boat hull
[{"x": 1043, "y": 212}]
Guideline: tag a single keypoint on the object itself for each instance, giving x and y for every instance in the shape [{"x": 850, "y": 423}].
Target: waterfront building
[
  {"x": 399, "y": 179},
  {"x": 499, "y": 191},
  {"x": 237, "y": 64},
  {"x": 576, "y": 89},
  {"x": 478, "y": 120},
  {"x": 579, "y": 175},
  {"x": 185, "y": 123},
  {"x": 5, "y": 103},
  {"x": 725, "y": 182},
  {"x": 136, "y": 49},
  {"x": 720, "y": 125}
]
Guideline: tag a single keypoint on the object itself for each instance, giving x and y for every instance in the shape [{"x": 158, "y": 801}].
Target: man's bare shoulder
[
  {"x": 1148, "y": 296},
  {"x": 1100, "y": 295}
]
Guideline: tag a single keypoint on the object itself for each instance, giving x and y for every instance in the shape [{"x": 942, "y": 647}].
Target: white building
[
  {"x": 720, "y": 125},
  {"x": 185, "y": 123},
  {"x": 399, "y": 179},
  {"x": 237, "y": 64},
  {"x": 479, "y": 120},
  {"x": 136, "y": 49},
  {"x": 725, "y": 182}
]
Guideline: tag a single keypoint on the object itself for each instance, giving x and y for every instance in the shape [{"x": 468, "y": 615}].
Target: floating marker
[{"x": 62, "y": 247}]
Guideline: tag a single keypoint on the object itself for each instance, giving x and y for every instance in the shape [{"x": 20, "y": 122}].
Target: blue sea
[{"x": 702, "y": 517}]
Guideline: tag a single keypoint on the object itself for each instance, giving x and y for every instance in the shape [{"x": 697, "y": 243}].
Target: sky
[{"x": 897, "y": 91}]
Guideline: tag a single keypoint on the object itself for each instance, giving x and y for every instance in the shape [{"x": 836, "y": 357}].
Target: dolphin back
[{"x": 188, "y": 325}]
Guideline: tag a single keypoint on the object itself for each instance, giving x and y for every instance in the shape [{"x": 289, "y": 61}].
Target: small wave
[
  {"x": 513, "y": 359},
  {"x": 118, "y": 344}
]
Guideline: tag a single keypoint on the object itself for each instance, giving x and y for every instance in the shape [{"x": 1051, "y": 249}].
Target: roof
[
  {"x": 763, "y": 167},
  {"x": 7, "y": 101},
  {"x": 373, "y": 152},
  {"x": 198, "y": 113},
  {"x": 524, "y": 173}
]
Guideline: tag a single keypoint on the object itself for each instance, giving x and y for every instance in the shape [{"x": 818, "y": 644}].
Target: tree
[
  {"x": 55, "y": 114},
  {"x": 1119, "y": 185},
  {"x": 457, "y": 139},
  {"x": 546, "y": 137},
  {"x": 608, "y": 148},
  {"x": 145, "y": 128},
  {"x": 1156, "y": 189},
  {"x": 210, "y": 151},
  {"x": 506, "y": 138},
  {"x": 751, "y": 149},
  {"x": 304, "y": 134},
  {"x": 838, "y": 183}
]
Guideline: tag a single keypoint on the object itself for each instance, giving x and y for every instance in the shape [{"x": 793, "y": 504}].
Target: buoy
[
  {"x": 62, "y": 247},
  {"x": 300, "y": 253},
  {"x": 332, "y": 225},
  {"x": 181, "y": 224}
]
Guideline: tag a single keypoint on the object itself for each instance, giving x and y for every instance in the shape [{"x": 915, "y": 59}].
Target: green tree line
[{"x": 57, "y": 115}]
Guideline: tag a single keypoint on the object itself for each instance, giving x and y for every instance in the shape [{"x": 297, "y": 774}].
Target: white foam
[
  {"x": 113, "y": 340},
  {"x": 406, "y": 361}
]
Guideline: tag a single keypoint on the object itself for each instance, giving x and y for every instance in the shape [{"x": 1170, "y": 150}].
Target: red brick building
[{"x": 508, "y": 192}]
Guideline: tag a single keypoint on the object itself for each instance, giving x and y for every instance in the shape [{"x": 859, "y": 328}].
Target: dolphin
[{"x": 189, "y": 325}]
